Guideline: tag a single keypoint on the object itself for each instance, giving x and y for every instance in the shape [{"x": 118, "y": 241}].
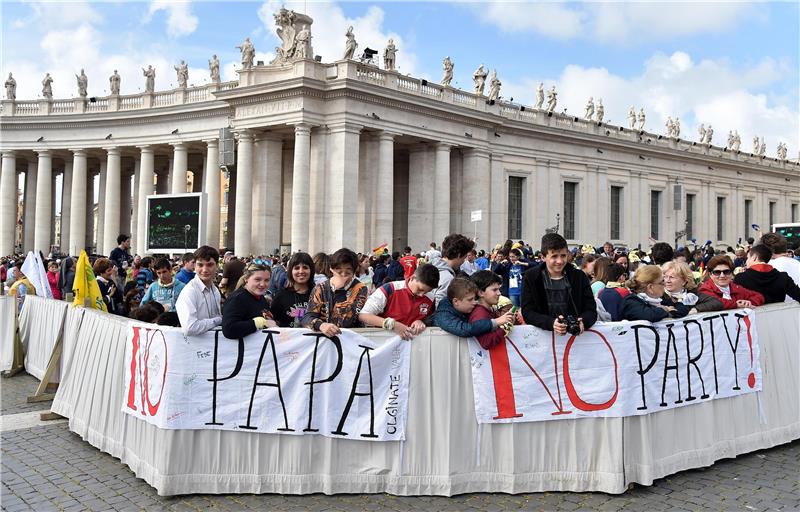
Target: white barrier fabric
[
  {"x": 280, "y": 381},
  {"x": 39, "y": 333},
  {"x": 446, "y": 451},
  {"x": 8, "y": 318},
  {"x": 616, "y": 369}
]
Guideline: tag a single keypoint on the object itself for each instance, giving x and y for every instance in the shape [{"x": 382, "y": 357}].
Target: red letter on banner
[
  {"x": 152, "y": 409},
  {"x": 134, "y": 355},
  {"x": 573, "y": 395},
  {"x": 503, "y": 386}
]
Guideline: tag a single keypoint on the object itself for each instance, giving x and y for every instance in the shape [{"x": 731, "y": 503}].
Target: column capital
[
  {"x": 179, "y": 145},
  {"x": 346, "y": 126},
  {"x": 478, "y": 152},
  {"x": 244, "y": 134},
  {"x": 43, "y": 152},
  {"x": 113, "y": 151},
  {"x": 79, "y": 152},
  {"x": 147, "y": 148},
  {"x": 443, "y": 146},
  {"x": 211, "y": 142},
  {"x": 9, "y": 153},
  {"x": 303, "y": 128},
  {"x": 387, "y": 135}
]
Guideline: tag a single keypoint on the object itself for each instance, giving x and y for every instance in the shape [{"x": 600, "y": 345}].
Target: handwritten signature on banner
[
  {"x": 290, "y": 381},
  {"x": 616, "y": 369}
]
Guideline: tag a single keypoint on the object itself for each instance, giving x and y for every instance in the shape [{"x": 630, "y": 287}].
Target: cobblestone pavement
[{"x": 47, "y": 468}]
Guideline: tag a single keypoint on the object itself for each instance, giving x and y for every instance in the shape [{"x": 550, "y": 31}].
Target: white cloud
[
  {"x": 330, "y": 25},
  {"x": 616, "y": 22},
  {"x": 709, "y": 92},
  {"x": 180, "y": 20}
]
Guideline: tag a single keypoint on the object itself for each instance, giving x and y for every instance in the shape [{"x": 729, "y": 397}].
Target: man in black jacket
[
  {"x": 761, "y": 277},
  {"x": 554, "y": 289}
]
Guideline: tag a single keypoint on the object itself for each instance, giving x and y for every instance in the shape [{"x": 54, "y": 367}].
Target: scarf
[
  {"x": 648, "y": 299},
  {"x": 684, "y": 297}
]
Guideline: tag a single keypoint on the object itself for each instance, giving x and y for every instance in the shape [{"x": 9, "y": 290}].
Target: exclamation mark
[{"x": 751, "y": 379}]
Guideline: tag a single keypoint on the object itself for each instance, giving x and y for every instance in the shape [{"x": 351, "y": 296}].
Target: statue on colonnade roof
[
  {"x": 248, "y": 53},
  {"x": 448, "y": 66},
  {"x": 351, "y": 44},
  {"x": 11, "y": 88},
  {"x": 295, "y": 34}
]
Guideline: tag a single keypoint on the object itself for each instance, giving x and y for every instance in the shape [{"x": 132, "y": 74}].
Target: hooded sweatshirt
[
  {"x": 446, "y": 274},
  {"x": 773, "y": 284}
]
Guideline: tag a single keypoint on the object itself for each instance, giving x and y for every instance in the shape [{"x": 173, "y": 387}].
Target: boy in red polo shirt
[{"x": 400, "y": 306}]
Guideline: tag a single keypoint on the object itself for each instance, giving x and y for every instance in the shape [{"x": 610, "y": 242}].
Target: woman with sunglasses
[
  {"x": 290, "y": 303},
  {"x": 647, "y": 300},
  {"x": 246, "y": 310},
  {"x": 719, "y": 284}
]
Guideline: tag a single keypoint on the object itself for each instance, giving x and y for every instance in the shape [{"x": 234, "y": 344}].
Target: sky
[{"x": 733, "y": 65}]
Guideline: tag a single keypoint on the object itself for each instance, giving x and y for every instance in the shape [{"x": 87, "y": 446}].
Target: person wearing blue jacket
[
  {"x": 166, "y": 289},
  {"x": 452, "y": 313}
]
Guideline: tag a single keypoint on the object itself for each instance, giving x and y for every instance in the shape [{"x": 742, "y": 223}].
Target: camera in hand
[{"x": 573, "y": 324}]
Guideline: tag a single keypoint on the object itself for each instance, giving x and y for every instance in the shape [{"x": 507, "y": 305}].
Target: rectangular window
[
  {"x": 794, "y": 213},
  {"x": 516, "y": 185},
  {"x": 655, "y": 213},
  {"x": 748, "y": 217},
  {"x": 616, "y": 212},
  {"x": 689, "y": 215},
  {"x": 570, "y": 192},
  {"x": 720, "y": 218},
  {"x": 772, "y": 207}
]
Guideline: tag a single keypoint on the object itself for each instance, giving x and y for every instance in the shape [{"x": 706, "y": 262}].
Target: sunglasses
[
  {"x": 725, "y": 272},
  {"x": 253, "y": 267}
]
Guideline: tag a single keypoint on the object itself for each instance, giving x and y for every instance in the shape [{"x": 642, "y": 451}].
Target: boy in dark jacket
[
  {"x": 453, "y": 312},
  {"x": 554, "y": 289},
  {"x": 761, "y": 277}
]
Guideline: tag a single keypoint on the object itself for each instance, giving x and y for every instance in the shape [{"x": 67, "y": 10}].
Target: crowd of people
[{"x": 453, "y": 286}]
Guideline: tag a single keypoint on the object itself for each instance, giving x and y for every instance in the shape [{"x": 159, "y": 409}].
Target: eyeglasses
[{"x": 724, "y": 272}]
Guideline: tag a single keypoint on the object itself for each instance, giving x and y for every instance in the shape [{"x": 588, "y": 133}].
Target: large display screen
[{"x": 174, "y": 222}]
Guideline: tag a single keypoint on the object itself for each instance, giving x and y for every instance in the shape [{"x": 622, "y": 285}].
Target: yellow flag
[{"x": 85, "y": 285}]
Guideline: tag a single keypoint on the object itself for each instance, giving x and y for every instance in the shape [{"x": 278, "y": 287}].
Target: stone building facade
[{"x": 347, "y": 154}]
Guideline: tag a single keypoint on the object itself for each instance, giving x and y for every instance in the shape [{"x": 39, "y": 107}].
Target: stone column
[
  {"x": 54, "y": 176},
  {"x": 66, "y": 205},
  {"x": 111, "y": 214},
  {"x": 81, "y": 200},
  {"x": 300, "y": 184},
  {"x": 441, "y": 203},
  {"x": 44, "y": 207},
  {"x": 180, "y": 165},
  {"x": 90, "y": 222},
  {"x": 475, "y": 190},
  {"x": 146, "y": 171},
  {"x": 498, "y": 209},
  {"x": 342, "y": 186},
  {"x": 419, "y": 211},
  {"x": 211, "y": 188},
  {"x": 244, "y": 194},
  {"x": 125, "y": 202},
  {"x": 162, "y": 182},
  {"x": 29, "y": 212},
  {"x": 316, "y": 190},
  {"x": 135, "y": 241},
  {"x": 101, "y": 209},
  {"x": 384, "y": 197},
  {"x": 8, "y": 203}
]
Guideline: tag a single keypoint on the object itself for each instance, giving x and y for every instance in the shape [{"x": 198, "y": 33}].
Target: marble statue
[
  {"x": 479, "y": 79},
  {"x": 295, "y": 34},
  {"x": 670, "y": 125},
  {"x": 601, "y": 111},
  {"x": 589, "y": 110},
  {"x": 114, "y": 82},
  {"x": 702, "y": 133},
  {"x": 388, "y": 55},
  {"x": 150, "y": 79},
  {"x": 539, "y": 96},
  {"x": 47, "y": 87},
  {"x": 762, "y": 149},
  {"x": 183, "y": 74},
  {"x": 494, "y": 87},
  {"x": 677, "y": 126},
  {"x": 756, "y": 145},
  {"x": 737, "y": 141},
  {"x": 729, "y": 141},
  {"x": 641, "y": 118},
  {"x": 552, "y": 99},
  {"x": 213, "y": 68},
  {"x": 11, "y": 88},
  {"x": 632, "y": 118},
  {"x": 448, "y": 66},
  {"x": 709, "y": 135},
  {"x": 351, "y": 44},
  {"x": 782, "y": 151},
  {"x": 248, "y": 53},
  {"x": 83, "y": 84}
]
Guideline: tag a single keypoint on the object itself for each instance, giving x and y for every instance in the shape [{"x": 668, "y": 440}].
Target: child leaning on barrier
[
  {"x": 453, "y": 312},
  {"x": 488, "y": 284}
]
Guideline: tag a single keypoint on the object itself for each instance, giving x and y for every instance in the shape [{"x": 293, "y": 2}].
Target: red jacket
[
  {"x": 737, "y": 293},
  {"x": 490, "y": 339}
]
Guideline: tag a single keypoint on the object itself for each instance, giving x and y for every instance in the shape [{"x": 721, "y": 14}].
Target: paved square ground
[{"x": 48, "y": 467}]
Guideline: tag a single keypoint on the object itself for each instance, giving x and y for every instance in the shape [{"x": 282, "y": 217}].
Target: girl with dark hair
[{"x": 290, "y": 303}]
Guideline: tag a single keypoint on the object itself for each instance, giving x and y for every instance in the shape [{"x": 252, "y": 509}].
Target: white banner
[
  {"x": 288, "y": 381},
  {"x": 616, "y": 369}
]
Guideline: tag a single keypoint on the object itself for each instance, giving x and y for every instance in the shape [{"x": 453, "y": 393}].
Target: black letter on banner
[
  {"x": 693, "y": 361},
  {"x": 277, "y": 384},
  {"x": 710, "y": 320},
  {"x": 236, "y": 369},
  {"x": 734, "y": 348},
  {"x": 641, "y": 371},
  {"x": 353, "y": 394},
  {"x": 336, "y": 343},
  {"x": 667, "y": 367}
]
